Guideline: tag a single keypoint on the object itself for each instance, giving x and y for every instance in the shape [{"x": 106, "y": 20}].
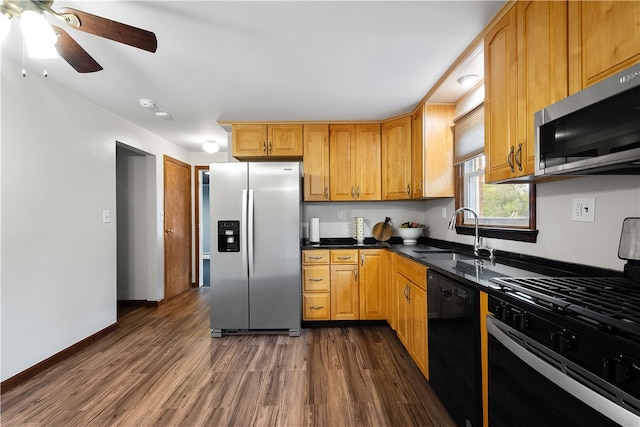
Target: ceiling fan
[{"x": 35, "y": 26}]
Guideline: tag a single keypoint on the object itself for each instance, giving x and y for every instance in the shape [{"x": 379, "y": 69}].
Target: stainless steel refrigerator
[{"x": 255, "y": 247}]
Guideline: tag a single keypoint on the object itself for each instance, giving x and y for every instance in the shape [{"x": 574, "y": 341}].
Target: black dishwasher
[{"x": 454, "y": 348}]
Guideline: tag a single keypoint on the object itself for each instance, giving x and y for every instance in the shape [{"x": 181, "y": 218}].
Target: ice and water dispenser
[{"x": 228, "y": 236}]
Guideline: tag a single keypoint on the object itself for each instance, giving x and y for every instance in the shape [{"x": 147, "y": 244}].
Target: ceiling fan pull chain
[{"x": 24, "y": 72}]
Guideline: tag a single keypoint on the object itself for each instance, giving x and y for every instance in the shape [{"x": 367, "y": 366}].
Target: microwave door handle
[
  {"x": 250, "y": 212},
  {"x": 577, "y": 389},
  {"x": 243, "y": 234}
]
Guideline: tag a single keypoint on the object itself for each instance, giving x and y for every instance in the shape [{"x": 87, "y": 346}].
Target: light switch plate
[
  {"x": 583, "y": 209},
  {"x": 106, "y": 216}
]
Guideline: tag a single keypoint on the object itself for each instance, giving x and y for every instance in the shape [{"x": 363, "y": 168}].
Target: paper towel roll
[{"x": 314, "y": 230}]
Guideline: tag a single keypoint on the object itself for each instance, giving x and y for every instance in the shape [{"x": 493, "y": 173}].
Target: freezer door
[
  {"x": 229, "y": 276},
  {"x": 274, "y": 295}
]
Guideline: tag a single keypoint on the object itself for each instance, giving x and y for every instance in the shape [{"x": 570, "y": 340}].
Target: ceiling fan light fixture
[
  {"x": 210, "y": 147},
  {"x": 468, "y": 80},
  {"x": 39, "y": 37}
]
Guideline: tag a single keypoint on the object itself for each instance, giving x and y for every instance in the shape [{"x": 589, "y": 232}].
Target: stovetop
[{"x": 609, "y": 303}]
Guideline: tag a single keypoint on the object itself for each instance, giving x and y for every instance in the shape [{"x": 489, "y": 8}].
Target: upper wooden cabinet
[
  {"x": 525, "y": 70},
  {"x": 432, "y": 151},
  {"x": 354, "y": 153},
  {"x": 316, "y": 162},
  {"x": 604, "y": 38},
  {"x": 280, "y": 141},
  {"x": 396, "y": 159}
]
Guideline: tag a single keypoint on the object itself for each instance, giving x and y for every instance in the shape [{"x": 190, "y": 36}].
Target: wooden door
[
  {"x": 402, "y": 289},
  {"x": 249, "y": 140},
  {"x": 604, "y": 38},
  {"x": 396, "y": 159},
  {"x": 438, "y": 151},
  {"x": 542, "y": 70},
  {"x": 177, "y": 227},
  {"x": 500, "y": 106},
  {"x": 368, "y": 164},
  {"x": 417, "y": 153},
  {"x": 285, "y": 141},
  {"x": 418, "y": 328},
  {"x": 344, "y": 292},
  {"x": 316, "y": 163},
  {"x": 371, "y": 285},
  {"x": 342, "y": 164}
]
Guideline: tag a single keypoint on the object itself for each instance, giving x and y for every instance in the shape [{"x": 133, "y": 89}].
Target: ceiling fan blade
[
  {"x": 123, "y": 33},
  {"x": 74, "y": 54}
]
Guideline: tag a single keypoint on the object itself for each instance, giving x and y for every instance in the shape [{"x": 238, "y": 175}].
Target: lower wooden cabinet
[
  {"x": 410, "y": 283},
  {"x": 344, "y": 284}
]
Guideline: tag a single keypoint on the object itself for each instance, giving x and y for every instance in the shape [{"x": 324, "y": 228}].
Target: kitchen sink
[{"x": 444, "y": 256}]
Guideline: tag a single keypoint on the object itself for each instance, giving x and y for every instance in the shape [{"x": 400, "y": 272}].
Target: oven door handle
[{"x": 575, "y": 388}]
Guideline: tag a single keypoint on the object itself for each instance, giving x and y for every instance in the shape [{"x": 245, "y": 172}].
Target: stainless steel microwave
[{"x": 595, "y": 131}]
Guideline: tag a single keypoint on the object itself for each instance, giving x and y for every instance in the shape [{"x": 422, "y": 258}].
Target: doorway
[
  {"x": 135, "y": 227},
  {"x": 203, "y": 218}
]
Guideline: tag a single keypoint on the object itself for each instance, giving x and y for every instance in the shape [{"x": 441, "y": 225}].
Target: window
[{"x": 505, "y": 211}]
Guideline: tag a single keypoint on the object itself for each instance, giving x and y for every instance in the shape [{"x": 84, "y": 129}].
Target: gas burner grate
[{"x": 612, "y": 302}]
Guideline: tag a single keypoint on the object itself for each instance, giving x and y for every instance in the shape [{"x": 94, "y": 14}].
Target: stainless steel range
[{"x": 566, "y": 350}]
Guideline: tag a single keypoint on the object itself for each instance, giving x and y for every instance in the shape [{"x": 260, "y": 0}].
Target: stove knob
[
  {"x": 520, "y": 321},
  {"x": 615, "y": 370},
  {"x": 502, "y": 313},
  {"x": 561, "y": 341}
]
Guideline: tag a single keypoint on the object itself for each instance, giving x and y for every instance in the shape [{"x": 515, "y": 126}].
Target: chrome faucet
[{"x": 477, "y": 243}]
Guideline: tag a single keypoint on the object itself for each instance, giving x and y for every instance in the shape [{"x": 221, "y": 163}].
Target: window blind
[{"x": 468, "y": 135}]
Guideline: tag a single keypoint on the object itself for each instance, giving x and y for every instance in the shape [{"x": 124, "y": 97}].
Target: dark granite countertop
[{"x": 457, "y": 261}]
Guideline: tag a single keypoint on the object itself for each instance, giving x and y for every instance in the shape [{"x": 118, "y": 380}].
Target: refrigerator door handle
[
  {"x": 250, "y": 233},
  {"x": 243, "y": 236}
]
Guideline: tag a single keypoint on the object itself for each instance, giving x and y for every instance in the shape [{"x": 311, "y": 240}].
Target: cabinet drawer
[
  {"x": 344, "y": 256},
  {"x": 315, "y": 256},
  {"x": 412, "y": 270},
  {"x": 316, "y": 278},
  {"x": 316, "y": 306}
]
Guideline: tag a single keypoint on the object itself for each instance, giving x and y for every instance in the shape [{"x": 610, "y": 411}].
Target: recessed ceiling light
[
  {"x": 468, "y": 80},
  {"x": 146, "y": 103},
  {"x": 162, "y": 114}
]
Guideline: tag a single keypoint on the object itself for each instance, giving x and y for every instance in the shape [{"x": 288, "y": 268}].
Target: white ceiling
[{"x": 266, "y": 60}]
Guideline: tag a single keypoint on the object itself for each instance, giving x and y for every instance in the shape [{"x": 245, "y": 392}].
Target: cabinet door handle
[
  {"x": 420, "y": 188},
  {"x": 519, "y": 157},
  {"x": 361, "y": 259},
  {"x": 270, "y": 146},
  {"x": 316, "y": 307},
  {"x": 344, "y": 257},
  {"x": 510, "y": 159},
  {"x": 315, "y": 279},
  {"x": 353, "y": 192},
  {"x": 326, "y": 192},
  {"x": 358, "y": 192},
  {"x": 264, "y": 147},
  {"x": 355, "y": 273},
  {"x": 406, "y": 292},
  {"x": 408, "y": 189},
  {"x": 315, "y": 257}
]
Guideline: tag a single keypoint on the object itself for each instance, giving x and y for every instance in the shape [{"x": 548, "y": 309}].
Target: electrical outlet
[
  {"x": 583, "y": 209},
  {"x": 340, "y": 214},
  {"x": 444, "y": 213}
]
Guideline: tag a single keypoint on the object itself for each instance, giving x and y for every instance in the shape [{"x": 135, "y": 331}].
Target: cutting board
[{"x": 382, "y": 231}]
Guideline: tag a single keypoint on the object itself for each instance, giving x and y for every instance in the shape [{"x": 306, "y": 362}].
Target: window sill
[{"x": 519, "y": 235}]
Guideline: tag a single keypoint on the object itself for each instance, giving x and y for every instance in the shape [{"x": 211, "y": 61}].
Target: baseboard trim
[{"x": 29, "y": 373}]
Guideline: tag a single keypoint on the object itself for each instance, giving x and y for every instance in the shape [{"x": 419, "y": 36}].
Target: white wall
[
  {"x": 560, "y": 238},
  {"x": 58, "y": 266},
  {"x": 373, "y": 213}
]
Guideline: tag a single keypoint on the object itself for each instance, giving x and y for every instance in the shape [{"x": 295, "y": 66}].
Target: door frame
[{"x": 196, "y": 179}]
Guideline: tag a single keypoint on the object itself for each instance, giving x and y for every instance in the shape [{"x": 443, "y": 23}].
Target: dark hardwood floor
[{"x": 162, "y": 368}]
